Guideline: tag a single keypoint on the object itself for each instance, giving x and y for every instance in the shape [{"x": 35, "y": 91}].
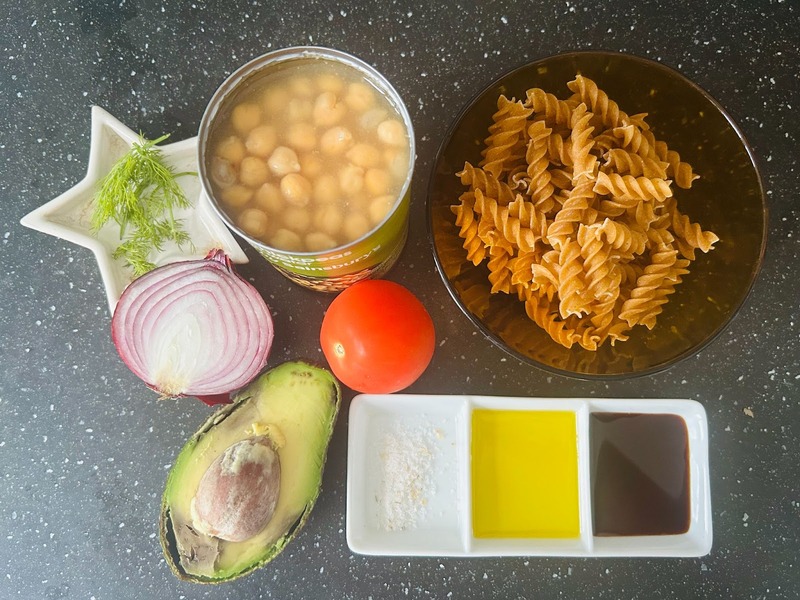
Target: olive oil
[
  {"x": 639, "y": 474},
  {"x": 524, "y": 474}
]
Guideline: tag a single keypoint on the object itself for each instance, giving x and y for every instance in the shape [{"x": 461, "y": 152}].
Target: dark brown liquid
[{"x": 639, "y": 474}]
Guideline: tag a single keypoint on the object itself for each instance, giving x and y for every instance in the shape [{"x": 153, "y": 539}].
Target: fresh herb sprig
[{"x": 140, "y": 194}]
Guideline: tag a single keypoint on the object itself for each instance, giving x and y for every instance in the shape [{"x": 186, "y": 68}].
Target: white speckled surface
[{"x": 85, "y": 448}]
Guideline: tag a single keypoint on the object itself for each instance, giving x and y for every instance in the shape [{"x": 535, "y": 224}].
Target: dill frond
[{"x": 140, "y": 194}]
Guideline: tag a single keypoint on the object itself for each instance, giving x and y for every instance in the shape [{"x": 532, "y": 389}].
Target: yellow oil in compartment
[{"x": 524, "y": 474}]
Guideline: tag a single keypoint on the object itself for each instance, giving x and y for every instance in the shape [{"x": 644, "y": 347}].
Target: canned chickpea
[{"x": 308, "y": 153}]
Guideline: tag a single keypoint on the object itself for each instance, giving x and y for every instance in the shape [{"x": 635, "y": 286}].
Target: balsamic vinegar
[{"x": 640, "y": 474}]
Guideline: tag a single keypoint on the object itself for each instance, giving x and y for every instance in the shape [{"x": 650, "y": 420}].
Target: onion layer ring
[{"x": 193, "y": 328}]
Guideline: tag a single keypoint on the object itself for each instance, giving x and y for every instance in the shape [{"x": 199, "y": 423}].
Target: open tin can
[{"x": 375, "y": 238}]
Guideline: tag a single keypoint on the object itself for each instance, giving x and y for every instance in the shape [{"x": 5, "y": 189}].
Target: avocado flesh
[{"x": 294, "y": 404}]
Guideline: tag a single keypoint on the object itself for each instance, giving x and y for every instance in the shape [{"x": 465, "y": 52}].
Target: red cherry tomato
[{"x": 377, "y": 337}]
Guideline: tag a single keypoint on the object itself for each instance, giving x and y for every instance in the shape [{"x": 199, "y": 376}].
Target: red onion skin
[
  {"x": 215, "y": 399},
  {"x": 256, "y": 363}
]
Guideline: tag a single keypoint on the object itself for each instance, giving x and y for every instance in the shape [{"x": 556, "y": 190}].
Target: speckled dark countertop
[{"x": 85, "y": 448}]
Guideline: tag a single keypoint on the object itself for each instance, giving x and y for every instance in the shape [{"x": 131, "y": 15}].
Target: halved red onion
[{"x": 193, "y": 328}]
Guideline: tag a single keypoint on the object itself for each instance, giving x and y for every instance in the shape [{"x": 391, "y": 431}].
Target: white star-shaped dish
[{"x": 68, "y": 216}]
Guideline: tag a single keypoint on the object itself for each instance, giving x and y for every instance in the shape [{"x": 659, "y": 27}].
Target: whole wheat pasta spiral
[
  {"x": 465, "y": 220},
  {"x": 554, "y": 112},
  {"x": 539, "y": 186},
  {"x": 573, "y": 211},
  {"x": 477, "y": 178},
  {"x": 628, "y": 187},
  {"x": 505, "y": 146},
  {"x": 619, "y": 160}
]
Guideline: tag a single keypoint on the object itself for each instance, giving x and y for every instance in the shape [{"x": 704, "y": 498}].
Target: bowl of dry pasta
[{"x": 597, "y": 214}]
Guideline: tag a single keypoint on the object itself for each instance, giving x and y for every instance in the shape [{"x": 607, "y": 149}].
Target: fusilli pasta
[{"x": 573, "y": 206}]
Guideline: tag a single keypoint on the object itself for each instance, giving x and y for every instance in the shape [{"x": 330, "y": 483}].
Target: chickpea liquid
[{"x": 309, "y": 158}]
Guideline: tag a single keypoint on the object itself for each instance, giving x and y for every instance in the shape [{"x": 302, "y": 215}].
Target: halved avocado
[{"x": 295, "y": 406}]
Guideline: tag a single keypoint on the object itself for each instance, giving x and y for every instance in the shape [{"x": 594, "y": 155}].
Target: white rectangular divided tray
[{"x": 408, "y": 479}]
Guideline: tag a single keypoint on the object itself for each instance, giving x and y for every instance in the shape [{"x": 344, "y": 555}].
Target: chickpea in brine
[
  {"x": 328, "y": 219},
  {"x": 283, "y": 239},
  {"x": 236, "y": 195},
  {"x": 274, "y": 100},
  {"x": 364, "y": 155},
  {"x": 296, "y": 219},
  {"x": 283, "y": 161},
  {"x": 377, "y": 182},
  {"x": 317, "y": 241},
  {"x": 254, "y": 221},
  {"x": 379, "y": 208},
  {"x": 245, "y": 117},
  {"x": 269, "y": 198},
  {"x": 329, "y": 82},
  {"x": 222, "y": 172},
  {"x": 302, "y": 137},
  {"x": 301, "y": 86},
  {"x": 357, "y": 203},
  {"x": 336, "y": 141},
  {"x": 299, "y": 110},
  {"x": 296, "y": 189},
  {"x": 359, "y": 97},
  {"x": 355, "y": 226},
  {"x": 261, "y": 141},
  {"x": 370, "y": 120},
  {"x": 351, "y": 179},
  {"x": 326, "y": 189},
  {"x": 231, "y": 149},
  {"x": 396, "y": 159},
  {"x": 328, "y": 110},
  {"x": 392, "y": 133},
  {"x": 253, "y": 171},
  {"x": 311, "y": 165}
]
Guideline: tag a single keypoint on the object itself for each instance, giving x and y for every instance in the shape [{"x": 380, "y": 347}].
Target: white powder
[{"x": 407, "y": 460}]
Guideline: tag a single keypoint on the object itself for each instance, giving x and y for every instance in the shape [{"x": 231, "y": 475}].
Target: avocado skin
[{"x": 296, "y": 369}]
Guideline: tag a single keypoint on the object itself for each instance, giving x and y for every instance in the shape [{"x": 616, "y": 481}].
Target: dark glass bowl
[{"x": 728, "y": 199}]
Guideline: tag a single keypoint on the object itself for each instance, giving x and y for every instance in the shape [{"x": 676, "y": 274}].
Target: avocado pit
[{"x": 238, "y": 493}]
